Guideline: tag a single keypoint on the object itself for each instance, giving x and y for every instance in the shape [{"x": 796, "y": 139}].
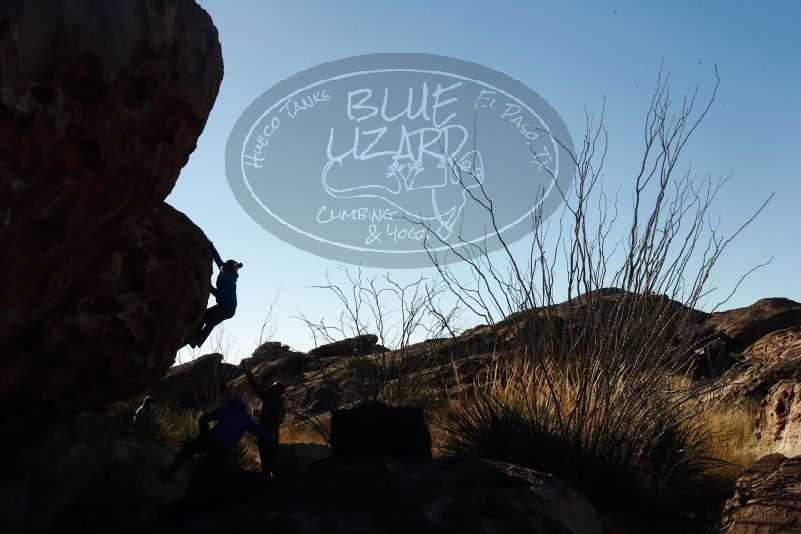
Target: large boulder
[
  {"x": 774, "y": 357},
  {"x": 287, "y": 368},
  {"x": 746, "y": 325},
  {"x": 293, "y": 459},
  {"x": 383, "y": 495},
  {"x": 199, "y": 383},
  {"x": 357, "y": 345},
  {"x": 767, "y": 498},
  {"x": 101, "y": 105},
  {"x": 778, "y": 424},
  {"x": 374, "y": 429},
  {"x": 266, "y": 352},
  {"x": 88, "y": 471}
]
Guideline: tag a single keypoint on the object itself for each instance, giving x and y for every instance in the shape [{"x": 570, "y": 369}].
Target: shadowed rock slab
[
  {"x": 266, "y": 352},
  {"x": 380, "y": 495},
  {"x": 773, "y": 358},
  {"x": 767, "y": 498},
  {"x": 200, "y": 382},
  {"x": 778, "y": 423},
  {"x": 745, "y": 326},
  {"x": 88, "y": 471},
  {"x": 293, "y": 458},
  {"x": 355, "y": 345}
]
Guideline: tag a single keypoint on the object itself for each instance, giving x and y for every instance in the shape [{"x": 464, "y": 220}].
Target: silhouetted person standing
[{"x": 273, "y": 412}]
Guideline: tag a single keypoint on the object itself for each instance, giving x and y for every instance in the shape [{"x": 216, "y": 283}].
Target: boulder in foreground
[
  {"x": 374, "y": 429},
  {"x": 89, "y": 472},
  {"x": 767, "y": 498},
  {"x": 357, "y": 345},
  {"x": 382, "y": 495}
]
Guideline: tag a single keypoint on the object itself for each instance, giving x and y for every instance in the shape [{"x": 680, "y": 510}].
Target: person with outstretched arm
[
  {"x": 273, "y": 412},
  {"x": 232, "y": 420},
  {"x": 225, "y": 293}
]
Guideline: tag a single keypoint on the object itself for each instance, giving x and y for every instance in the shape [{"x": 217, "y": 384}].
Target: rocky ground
[
  {"x": 382, "y": 495},
  {"x": 752, "y": 351},
  {"x": 101, "y": 105},
  {"x": 91, "y": 470}
]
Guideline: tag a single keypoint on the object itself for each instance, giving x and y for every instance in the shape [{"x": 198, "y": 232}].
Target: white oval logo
[{"x": 384, "y": 159}]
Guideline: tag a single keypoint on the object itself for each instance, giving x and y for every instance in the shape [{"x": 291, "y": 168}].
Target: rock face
[
  {"x": 90, "y": 471},
  {"x": 747, "y": 325},
  {"x": 274, "y": 361},
  {"x": 270, "y": 362},
  {"x": 121, "y": 335},
  {"x": 355, "y": 345},
  {"x": 374, "y": 429},
  {"x": 266, "y": 352},
  {"x": 292, "y": 459},
  {"x": 774, "y": 357},
  {"x": 778, "y": 423},
  {"x": 380, "y": 495},
  {"x": 767, "y": 498},
  {"x": 100, "y": 107},
  {"x": 196, "y": 383},
  {"x": 329, "y": 377},
  {"x": 770, "y": 372}
]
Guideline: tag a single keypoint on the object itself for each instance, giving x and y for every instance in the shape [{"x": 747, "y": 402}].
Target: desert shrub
[
  {"x": 399, "y": 315},
  {"x": 639, "y": 438},
  {"x": 394, "y": 379},
  {"x": 300, "y": 430},
  {"x": 732, "y": 423},
  {"x": 411, "y": 393},
  {"x": 594, "y": 389},
  {"x": 176, "y": 426},
  {"x": 153, "y": 426},
  {"x": 122, "y": 411},
  {"x": 362, "y": 367},
  {"x": 624, "y": 440},
  {"x": 385, "y": 368}
]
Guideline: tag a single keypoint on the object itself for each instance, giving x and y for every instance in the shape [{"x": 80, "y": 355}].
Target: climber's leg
[
  {"x": 214, "y": 316},
  {"x": 267, "y": 450},
  {"x": 190, "y": 448}
]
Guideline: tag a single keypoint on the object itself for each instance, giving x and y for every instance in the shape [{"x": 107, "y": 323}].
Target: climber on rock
[
  {"x": 273, "y": 411},
  {"x": 225, "y": 293},
  {"x": 232, "y": 420}
]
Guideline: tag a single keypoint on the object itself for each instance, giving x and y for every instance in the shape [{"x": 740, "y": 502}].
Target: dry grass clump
[
  {"x": 733, "y": 427},
  {"x": 594, "y": 390},
  {"x": 611, "y": 441},
  {"x": 396, "y": 379},
  {"x": 625, "y": 433},
  {"x": 304, "y": 431}
]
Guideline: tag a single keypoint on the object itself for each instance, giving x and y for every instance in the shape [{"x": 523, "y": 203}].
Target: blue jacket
[
  {"x": 225, "y": 292},
  {"x": 233, "y": 420}
]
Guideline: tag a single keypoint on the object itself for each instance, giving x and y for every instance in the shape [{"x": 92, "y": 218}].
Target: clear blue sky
[{"x": 595, "y": 50}]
